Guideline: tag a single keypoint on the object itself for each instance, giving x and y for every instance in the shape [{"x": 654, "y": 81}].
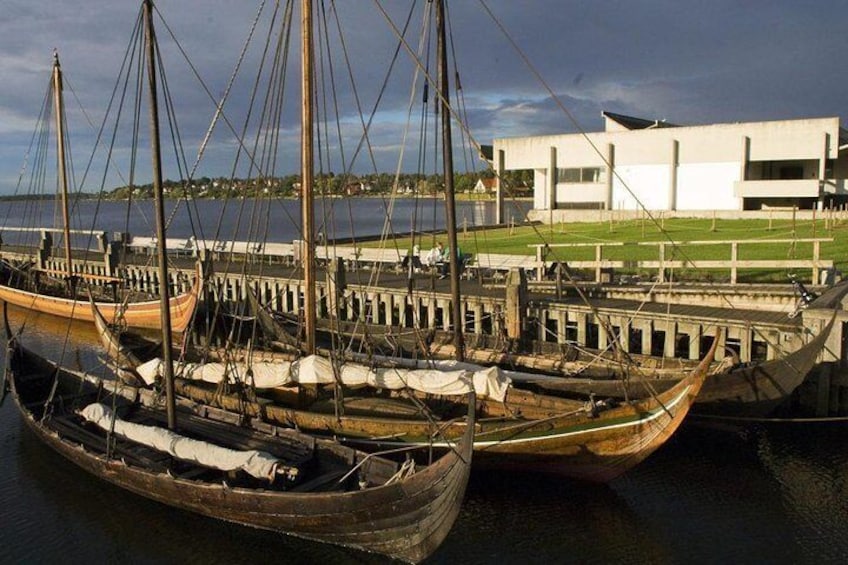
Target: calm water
[
  {"x": 277, "y": 221},
  {"x": 760, "y": 495}
]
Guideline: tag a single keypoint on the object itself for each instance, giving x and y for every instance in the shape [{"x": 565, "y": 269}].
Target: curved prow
[{"x": 123, "y": 359}]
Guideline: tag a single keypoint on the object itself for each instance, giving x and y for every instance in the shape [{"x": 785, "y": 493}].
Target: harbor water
[{"x": 252, "y": 220}]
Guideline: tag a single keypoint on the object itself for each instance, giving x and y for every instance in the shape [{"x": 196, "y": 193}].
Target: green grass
[{"x": 519, "y": 239}]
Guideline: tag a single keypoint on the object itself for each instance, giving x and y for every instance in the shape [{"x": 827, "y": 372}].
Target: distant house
[
  {"x": 356, "y": 188},
  {"x": 484, "y": 186},
  {"x": 657, "y": 165}
]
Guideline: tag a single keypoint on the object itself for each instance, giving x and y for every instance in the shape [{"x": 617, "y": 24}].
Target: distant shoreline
[{"x": 459, "y": 197}]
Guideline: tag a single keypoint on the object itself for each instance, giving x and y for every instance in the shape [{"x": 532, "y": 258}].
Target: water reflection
[
  {"x": 810, "y": 469},
  {"x": 758, "y": 495}
]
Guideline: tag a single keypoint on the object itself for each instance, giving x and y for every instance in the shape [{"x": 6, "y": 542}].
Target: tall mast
[
  {"x": 450, "y": 201},
  {"x": 62, "y": 164},
  {"x": 156, "y": 155},
  {"x": 307, "y": 180}
]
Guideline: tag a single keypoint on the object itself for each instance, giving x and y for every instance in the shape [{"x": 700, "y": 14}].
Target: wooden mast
[
  {"x": 156, "y": 156},
  {"x": 307, "y": 180},
  {"x": 62, "y": 163},
  {"x": 450, "y": 201}
]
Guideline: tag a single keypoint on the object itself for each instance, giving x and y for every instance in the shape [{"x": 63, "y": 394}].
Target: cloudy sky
[{"x": 685, "y": 61}]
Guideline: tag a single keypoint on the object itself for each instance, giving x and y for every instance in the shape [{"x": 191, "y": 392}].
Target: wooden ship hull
[
  {"x": 751, "y": 390},
  {"x": 406, "y": 518},
  {"x": 542, "y": 433},
  {"x": 529, "y": 432},
  {"x": 145, "y": 315},
  {"x": 755, "y": 390}
]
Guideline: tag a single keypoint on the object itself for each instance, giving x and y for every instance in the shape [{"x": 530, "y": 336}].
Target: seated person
[
  {"x": 434, "y": 256},
  {"x": 444, "y": 265},
  {"x": 414, "y": 258}
]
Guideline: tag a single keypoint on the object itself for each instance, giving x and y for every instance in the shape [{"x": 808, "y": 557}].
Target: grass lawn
[{"x": 518, "y": 241}]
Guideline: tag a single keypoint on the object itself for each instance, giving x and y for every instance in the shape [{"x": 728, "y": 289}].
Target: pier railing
[{"x": 668, "y": 257}]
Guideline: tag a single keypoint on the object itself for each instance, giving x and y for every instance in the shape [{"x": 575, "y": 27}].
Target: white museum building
[{"x": 636, "y": 163}]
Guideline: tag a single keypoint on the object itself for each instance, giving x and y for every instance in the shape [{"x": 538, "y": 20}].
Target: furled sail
[
  {"x": 488, "y": 382},
  {"x": 258, "y": 464}
]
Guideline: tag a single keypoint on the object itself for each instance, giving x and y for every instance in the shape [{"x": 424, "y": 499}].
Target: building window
[
  {"x": 791, "y": 172},
  {"x": 579, "y": 174}
]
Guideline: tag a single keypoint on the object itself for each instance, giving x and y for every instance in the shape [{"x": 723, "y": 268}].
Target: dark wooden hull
[
  {"x": 528, "y": 431},
  {"x": 748, "y": 391},
  {"x": 407, "y": 519},
  {"x": 756, "y": 390}
]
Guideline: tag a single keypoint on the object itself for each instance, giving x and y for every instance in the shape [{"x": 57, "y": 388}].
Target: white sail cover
[
  {"x": 315, "y": 369},
  {"x": 259, "y": 464}
]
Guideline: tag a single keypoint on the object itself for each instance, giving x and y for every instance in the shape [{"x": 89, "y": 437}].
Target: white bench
[{"x": 502, "y": 263}]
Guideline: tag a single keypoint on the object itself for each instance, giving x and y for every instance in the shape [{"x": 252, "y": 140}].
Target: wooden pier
[{"x": 665, "y": 322}]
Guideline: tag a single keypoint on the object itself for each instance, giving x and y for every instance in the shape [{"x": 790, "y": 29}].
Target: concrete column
[
  {"x": 603, "y": 335},
  {"x": 580, "y": 318},
  {"x": 772, "y": 338},
  {"x": 447, "y": 323},
  {"x": 289, "y": 298},
  {"x": 431, "y": 313},
  {"x": 478, "y": 318},
  {"x": 744, "y": 159},
  {"x": 499, "y": 189},
  {"x": 610, "y": 174},
  {"x": 402, "y": 311},
  {"x": 624, "y": 339},
  {"x": 823, "y": 159},
  {"x": 694, "y": 333},
  {"x": 745, "y": 345},
  {"x": 562, "y": 321},
  {"x": 672, "y": 185},
  {"x": 552, "y": 179},
  {"x": 670, "y": 339},
  {"x": 647, "y": 338},
  {"x": 335, "y": 284}
]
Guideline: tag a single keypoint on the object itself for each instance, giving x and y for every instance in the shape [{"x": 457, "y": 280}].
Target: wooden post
[
  {"x": 814, "y": 224},
  {"x": 516, "y": 299},
  {"x": 734, "y": 256},
  {"x": 598, "y": 258},
  {"x": 816, "y": 257}
]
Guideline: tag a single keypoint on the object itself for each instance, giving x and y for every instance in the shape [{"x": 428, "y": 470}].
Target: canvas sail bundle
[
  {"x": 256, "y": 463},
  {"x": 314, "y": 369}
]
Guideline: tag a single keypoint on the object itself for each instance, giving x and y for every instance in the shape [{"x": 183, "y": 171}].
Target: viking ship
[
  {"x": 226, "y": 465},
  {"x": 66, "y": 299}
]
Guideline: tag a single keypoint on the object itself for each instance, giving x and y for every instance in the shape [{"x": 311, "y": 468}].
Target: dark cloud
[{"x": 687, "y": 62}]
